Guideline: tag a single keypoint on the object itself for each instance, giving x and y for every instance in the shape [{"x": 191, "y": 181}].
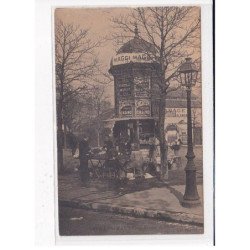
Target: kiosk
[{"x": 136, "y": 93}]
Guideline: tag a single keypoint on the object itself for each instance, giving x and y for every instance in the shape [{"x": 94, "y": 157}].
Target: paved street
[
  {"x": 150, "y": 200},
  {"x": 86, "y": 222}
]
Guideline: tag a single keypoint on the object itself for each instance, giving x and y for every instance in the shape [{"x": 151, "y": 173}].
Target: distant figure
[
  {"x": 108, "y": 145},
  {"x": 122, "y": 144},
  {"x": 128, "y": 146},
  {"x": 84, "y": 156},
  {"x": 112, "y": 165},
  {"x": 174, "y": 143},
  {"x": 173, "y": 139},
  {"x": 108, "y": 142},
  {"x": 157, "y": 155}
]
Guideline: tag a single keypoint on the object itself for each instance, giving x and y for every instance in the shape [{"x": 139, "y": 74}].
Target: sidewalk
[{"x": 158, "y": 201}]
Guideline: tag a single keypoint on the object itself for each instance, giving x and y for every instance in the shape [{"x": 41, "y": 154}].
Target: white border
[{"x": 46, "y": 204}]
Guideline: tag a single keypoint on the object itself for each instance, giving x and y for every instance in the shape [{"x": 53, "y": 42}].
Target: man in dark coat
[{"x": 84, "y": 156}]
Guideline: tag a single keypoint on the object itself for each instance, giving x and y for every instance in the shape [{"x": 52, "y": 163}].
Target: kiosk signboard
[
  {"x": 125, "y": 109},
  {"x": 125, "y": 58},
  {"x": 142, "y": 108},
  {"x": 142, "y": 86}
]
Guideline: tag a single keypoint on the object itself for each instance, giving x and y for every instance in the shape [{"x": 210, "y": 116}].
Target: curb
[{"x": 169, "y": 216}]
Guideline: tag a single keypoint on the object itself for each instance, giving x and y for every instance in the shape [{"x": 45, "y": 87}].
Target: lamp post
[{"x": 188, "y": 76}]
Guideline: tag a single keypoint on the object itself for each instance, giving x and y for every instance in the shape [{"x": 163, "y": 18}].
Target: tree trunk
[
  {"x": 163, "y": 146},
  {"x": 98, "y": 138},
  {"x": 65, "y": 136},
  {"x": 60, "y": 164},
  {"x": 59, "y": 143}
]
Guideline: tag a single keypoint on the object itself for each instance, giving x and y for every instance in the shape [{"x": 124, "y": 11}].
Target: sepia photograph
[
  {"x": 129, "y": 126},
  {"x": 120, "y": 124}
]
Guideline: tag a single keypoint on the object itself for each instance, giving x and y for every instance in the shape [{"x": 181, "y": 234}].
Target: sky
[{"x": 98, "y": 21}]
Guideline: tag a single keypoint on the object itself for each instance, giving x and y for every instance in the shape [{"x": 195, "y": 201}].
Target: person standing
[
  {"x": 157, "y": 156},
  {"x": 174, "y": 143},
  {"x": 83, "y": 157},
  {"x": 108, "y": 145}
]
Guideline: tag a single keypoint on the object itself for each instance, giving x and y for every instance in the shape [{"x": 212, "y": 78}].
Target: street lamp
[{"x": 188, "y": 76}]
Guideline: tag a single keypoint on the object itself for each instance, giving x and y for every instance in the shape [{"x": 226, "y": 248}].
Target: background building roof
[{"x": 177, "y": 99}]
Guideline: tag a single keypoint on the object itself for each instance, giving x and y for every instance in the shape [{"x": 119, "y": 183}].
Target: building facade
[{"x": 176, "y": 113}]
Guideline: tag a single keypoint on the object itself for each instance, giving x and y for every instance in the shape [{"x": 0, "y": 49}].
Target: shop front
[{"x": 139, "y": 132}]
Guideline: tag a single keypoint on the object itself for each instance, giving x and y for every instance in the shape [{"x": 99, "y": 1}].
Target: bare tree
[
  {"x": 97, "y": 104},
  {"x": 75, "y": 63},
  {"x": 174, "y": 32}
]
